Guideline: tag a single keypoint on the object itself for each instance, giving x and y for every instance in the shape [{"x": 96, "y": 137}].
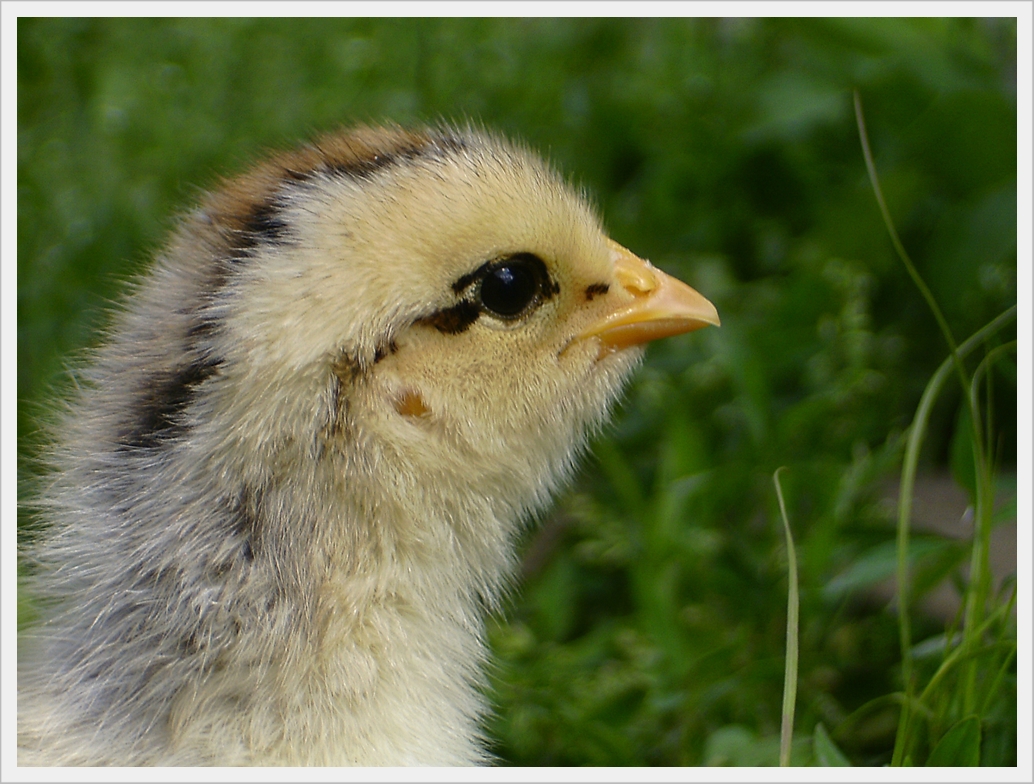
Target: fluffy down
[{"x": 287, "y": 489}]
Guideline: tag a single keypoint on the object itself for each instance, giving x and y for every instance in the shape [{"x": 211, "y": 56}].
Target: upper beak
[{"x": 662, "y": 305}]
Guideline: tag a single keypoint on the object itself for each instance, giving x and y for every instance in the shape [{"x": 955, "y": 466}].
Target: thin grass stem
[
  {"x": 899, "y": 248},
  {"x": 990, "y": 693},
  {"x": 793, "y": 604}
]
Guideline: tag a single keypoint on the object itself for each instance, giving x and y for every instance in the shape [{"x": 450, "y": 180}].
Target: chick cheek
[{"x": 592, "y": 364}]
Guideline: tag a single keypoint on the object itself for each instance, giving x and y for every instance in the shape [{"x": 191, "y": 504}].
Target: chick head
[{"x": 440, "y": 307}]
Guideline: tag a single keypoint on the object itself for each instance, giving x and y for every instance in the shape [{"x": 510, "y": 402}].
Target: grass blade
[
  {"x": 827, "y": 755},
  {"x": 960, "y": 746}
]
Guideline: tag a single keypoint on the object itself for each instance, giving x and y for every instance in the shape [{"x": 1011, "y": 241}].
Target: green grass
[
  {"x": 651, "y": 623},
  {"x": 947, "y": 707}
]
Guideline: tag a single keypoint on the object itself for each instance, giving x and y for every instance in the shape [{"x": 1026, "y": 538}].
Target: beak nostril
[
  {"x": 637, "y": 282},
  {"x": 635, "y": 275}
]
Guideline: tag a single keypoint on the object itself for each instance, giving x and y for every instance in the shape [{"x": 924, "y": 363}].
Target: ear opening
[{"x": 411, "y": 404}]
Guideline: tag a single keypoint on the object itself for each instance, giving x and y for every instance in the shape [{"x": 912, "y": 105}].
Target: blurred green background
[{"x": 649, "y": 628}]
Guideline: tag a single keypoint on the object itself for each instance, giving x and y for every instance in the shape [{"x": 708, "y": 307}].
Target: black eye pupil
[{"x": 508, "y": 289}]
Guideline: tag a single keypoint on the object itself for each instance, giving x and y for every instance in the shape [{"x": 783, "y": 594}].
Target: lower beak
[{"x": 662, "y": 306}]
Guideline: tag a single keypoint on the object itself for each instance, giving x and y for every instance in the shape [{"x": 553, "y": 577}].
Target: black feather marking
[
  {"x": 203, "y": 328},
  {"x": 163, "y": 401},
  {"x": 464, "y": 281},
  {"x": 454, "y": 320},
  {"x": 384, "y": 350},
  {"x": 596, "y": 289},
  {"x": 297, "y": 175},
  {"x": 447, "y": 144},
  {"x": 267, "y": 224},
  {"x": 363, "y": 168}
]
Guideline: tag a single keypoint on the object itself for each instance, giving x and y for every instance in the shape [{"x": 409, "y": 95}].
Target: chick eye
[{"x": 512, "y": 285}]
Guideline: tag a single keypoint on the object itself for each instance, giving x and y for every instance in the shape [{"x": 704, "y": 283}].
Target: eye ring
[{"x": 513, "y": 286}]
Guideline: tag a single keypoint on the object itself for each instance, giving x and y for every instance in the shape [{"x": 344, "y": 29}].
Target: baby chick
[{"x": 288, "y": 489}]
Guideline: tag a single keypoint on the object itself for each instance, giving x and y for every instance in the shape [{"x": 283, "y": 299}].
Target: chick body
[{"x": 289, "y": 486}]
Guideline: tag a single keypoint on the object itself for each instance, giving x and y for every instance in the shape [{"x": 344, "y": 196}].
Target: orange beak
[{"x": 662, "y": 306}]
